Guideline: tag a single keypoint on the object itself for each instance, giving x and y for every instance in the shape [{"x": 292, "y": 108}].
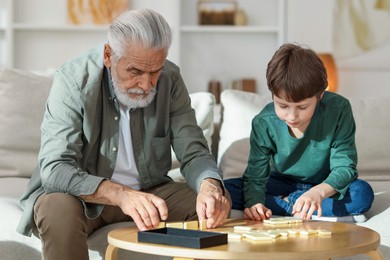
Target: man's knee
[{"x": 59, "y": 209}]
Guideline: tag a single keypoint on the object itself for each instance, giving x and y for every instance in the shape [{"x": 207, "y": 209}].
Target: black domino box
[{"x": 183, "y": 237}]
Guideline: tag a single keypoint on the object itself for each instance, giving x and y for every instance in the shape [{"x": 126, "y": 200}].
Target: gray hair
[{"x": 142, "y": 26}]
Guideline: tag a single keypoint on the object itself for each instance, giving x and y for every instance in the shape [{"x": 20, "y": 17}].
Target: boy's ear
[{"x": 320, "y": 97}]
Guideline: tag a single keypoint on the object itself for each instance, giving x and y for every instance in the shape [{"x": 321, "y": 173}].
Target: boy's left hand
[{"x": 311, "y": 201}]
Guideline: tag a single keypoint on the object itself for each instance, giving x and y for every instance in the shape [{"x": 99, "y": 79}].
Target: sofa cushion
[
  {"x": 22, "y": 103},
  {"x": 238, "y": 110},
  {"x": 372, "y": 136},
  {"x": 203, "y": 104}
]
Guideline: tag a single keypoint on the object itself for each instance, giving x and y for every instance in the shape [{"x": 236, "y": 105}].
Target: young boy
[{"x": 303, "y": 157}]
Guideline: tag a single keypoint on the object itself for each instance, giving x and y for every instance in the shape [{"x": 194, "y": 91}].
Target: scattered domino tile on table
[
  {"x": 258, "y": 236},
  {"x": 282, "y": 220},
  {"x": 307, "y": 232},
  {"x": 234, "y": 235},
  {"x": 323, "y": 232},
  {"x": 248, "y": 232},
  {"x": 242, "y": 228}
]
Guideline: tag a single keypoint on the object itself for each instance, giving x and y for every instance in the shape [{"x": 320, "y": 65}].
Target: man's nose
[{"x": 145, "y": 82}]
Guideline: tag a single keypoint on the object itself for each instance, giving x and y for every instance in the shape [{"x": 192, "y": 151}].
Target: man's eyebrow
[
  {"x": 140, "y": 70},
  {"x": 133, "y": 68},
  {"x": 158, "y": 69}
]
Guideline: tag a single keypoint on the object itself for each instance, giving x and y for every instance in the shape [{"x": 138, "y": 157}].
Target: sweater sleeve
[
  {"x": 258, "y": 169},
  {"x": 343, "y": 154}
]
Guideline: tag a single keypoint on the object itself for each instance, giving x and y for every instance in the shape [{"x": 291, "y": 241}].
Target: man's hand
[
  {"x": 257, "y": 212},
  {"x": 211, "y": 204},
  {"x": 144, "y": 208}
]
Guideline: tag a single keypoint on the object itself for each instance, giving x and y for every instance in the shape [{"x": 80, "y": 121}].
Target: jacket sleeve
[
  {"x": 61, "y": 141},
  {"x": 188, "y": 142}
]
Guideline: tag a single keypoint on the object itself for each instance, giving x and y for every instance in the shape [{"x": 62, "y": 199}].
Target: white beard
[{"x": 126, "y": 100}]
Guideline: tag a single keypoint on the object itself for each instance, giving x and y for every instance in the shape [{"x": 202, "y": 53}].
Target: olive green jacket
[{"x": 79, "y": 140}]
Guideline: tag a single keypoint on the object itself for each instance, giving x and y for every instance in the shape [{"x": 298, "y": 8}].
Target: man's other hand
[{"x": 211, "y": 204}]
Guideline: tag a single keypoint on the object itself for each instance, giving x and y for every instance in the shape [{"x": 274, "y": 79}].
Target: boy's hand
[
  {"x": 311, "y": 201},
  {"x": 257, "y": 212},
  {"x": 306, "y": 204}
]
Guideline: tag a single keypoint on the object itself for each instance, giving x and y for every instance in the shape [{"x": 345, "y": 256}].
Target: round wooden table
[{"x": 345, "y": 240}]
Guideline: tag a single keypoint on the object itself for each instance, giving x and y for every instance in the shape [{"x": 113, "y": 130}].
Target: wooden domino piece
[
  {"x": 296, "y": 220},
  {"x": 283, "y": 232},
  {"x": 282, "y": 220},
  {"x": 323, "y": 232},
  {"x": 274, "y": 233},
  {"x": 257, "y": 236},
  {"x": 202, "y": 224},
  {"x": 293, "y": 232},
  {"x": 234, "y": 235},
  {"x": 161, "y": 225},
  {"x": 242, "y": 228},
  {"x": 271, "y": 233},
  {"x": 307, "y": 232},
  {"x": 175, "y": 225},
  {"x": 194, "y": 225}
]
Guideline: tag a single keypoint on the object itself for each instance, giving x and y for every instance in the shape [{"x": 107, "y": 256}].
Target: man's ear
[{"x": 107, "y": 55}]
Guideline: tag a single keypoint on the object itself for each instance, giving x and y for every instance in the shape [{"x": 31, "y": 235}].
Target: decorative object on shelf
[
  {"x": 217, "y": 12},
  {"x": 241, "y": 18},
  {"x": 248, "y": 85},
  {"x": 95, "y": 11},
  {"x": 215, "y": 89},
  {"x": 331, "y": 70}
]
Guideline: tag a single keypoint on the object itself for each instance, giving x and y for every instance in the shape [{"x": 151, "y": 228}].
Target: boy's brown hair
[{"x": 296, "y": 73}]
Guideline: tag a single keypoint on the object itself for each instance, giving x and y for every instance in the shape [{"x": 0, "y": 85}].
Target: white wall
[
  {"x": 364, "y": 75},
  {"x": 308, "y": 22},
  {"x": 169, "y": 9}
]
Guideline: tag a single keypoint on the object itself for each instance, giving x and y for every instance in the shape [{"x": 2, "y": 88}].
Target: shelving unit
[
  {"x": 78, "y": 28},
  {"x": 229, "y": 29},
  {"x": 227, "y": 53},
  {"x": 34, "y": 39}
]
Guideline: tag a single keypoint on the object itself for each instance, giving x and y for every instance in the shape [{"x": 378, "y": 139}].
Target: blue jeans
[{"x": 357, "y": 200}]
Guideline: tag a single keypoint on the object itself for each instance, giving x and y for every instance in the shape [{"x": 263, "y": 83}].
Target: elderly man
[{"x": 111, "y": 119}]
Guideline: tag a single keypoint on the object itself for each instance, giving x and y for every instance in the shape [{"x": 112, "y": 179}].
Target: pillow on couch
[
  {"x": 22, "y": 103},
  {"x": 238, "y": 110},
  {"x": 372, "y": 137}
]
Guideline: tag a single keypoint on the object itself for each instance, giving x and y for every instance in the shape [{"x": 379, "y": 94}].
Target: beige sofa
[{"x": 22, "y": 100}]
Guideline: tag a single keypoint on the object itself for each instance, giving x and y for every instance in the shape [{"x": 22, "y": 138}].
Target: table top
[{"x": 346, "y": 239}]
